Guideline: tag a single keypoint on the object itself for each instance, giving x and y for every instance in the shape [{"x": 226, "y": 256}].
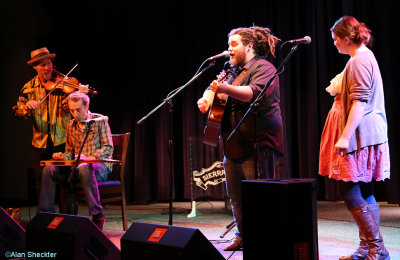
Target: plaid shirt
[
  {"x": 98, "y": 143},
  {"x": 50, "y": 118}
]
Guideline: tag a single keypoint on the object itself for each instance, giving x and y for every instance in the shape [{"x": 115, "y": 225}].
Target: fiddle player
[
  {"x": 49, "y": 117},
  {"x": 98, "y": 145},
  {"x": 259, "y": 140}
]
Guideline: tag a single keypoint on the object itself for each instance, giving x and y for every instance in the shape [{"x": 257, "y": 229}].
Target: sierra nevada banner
[{"x": 213, "y": 175}]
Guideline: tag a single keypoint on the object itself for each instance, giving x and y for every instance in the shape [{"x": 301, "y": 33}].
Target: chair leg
[{"x": 124, "y": 218}]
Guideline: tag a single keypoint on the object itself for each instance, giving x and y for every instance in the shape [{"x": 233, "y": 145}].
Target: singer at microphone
[{"x": 249, "y": 48}]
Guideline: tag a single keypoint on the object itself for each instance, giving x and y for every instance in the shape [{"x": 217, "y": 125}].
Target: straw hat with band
[{"x": 40, "y": 54}]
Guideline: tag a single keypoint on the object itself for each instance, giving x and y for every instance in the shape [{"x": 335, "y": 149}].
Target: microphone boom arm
[{"x": 169, "y": 97}]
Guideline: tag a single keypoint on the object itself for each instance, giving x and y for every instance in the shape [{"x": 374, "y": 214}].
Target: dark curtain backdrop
[{"x": 135, "y": 53}]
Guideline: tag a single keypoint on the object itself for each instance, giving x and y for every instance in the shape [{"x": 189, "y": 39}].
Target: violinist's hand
[
  {"x": 58, "y": 156},
  {"x": 83, "y": 88},
  {"x": 341, "y": 146},
  {"x": 32, "y": 104},
  {"x": 203, "y": 105}
]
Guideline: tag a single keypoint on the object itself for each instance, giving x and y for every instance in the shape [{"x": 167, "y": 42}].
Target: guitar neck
[{"x": 217, "y": 110}]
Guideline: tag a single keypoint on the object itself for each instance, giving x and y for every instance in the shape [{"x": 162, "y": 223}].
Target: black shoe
[{"x": 99, "y": 220}]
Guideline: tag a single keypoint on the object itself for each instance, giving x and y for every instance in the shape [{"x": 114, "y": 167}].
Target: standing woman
[{"x": 362, "y": 141}]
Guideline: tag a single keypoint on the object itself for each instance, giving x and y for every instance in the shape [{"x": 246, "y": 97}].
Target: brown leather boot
[
  {"x": 363, "y": 248},
  {"x": 364, "y": 217},
  {"x": 236, "y": 245},
  {"x": 361, "y": 252}
]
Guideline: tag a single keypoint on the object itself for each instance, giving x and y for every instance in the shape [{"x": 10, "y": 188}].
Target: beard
[
  {"x": 238, "y": 59},
  {"x": 47, "y": 75}
]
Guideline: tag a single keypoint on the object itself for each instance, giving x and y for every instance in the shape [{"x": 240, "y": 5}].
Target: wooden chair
[{"x": 112, "y": 190}]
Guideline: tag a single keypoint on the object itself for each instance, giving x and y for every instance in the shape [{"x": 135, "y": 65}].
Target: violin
[{"x": 67, "y": 85}]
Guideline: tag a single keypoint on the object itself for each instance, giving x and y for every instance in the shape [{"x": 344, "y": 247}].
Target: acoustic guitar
[{"x": 213, "y": 128}]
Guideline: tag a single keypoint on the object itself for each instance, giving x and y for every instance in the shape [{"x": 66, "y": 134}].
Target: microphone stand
[
  {"x": 73, "y": 177},
  {"x": 168, "y": 101},
  {"x": 255, "y": 103},
  {"x": 228, "y": 228}
]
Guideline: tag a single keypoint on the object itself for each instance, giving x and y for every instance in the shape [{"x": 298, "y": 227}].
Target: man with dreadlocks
[{"x": 253, "y": 151}]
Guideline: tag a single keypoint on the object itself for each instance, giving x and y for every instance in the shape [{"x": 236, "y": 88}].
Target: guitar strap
[{"x": 239, "y": 78}]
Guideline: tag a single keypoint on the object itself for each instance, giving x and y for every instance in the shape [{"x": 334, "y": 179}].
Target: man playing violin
[
  {"x": 98, "y": 145},
  {"x": 253, "y": 151},
  {"x": 49, "y": 115}
]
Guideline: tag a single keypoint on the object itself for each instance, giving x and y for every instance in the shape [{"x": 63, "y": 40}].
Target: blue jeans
[
  {"x": 88, "y": 176},
  {"x": 244, "y": 169}
]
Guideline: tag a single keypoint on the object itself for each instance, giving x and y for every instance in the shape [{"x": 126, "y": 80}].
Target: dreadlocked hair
[{"x": 263, "y": 40}]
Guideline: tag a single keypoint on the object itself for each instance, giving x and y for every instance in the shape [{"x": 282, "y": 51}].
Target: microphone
[
  {"x": 224, "y": 54},
  {"x": 97, "y": 119},
  {"x": 306, "y": 40}
]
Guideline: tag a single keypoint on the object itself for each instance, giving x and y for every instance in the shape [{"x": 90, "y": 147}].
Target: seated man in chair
[{"x": 98, "y": 145}]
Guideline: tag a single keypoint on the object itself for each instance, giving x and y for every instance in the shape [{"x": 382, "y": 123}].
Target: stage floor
[{"x": 337, "y": 233}]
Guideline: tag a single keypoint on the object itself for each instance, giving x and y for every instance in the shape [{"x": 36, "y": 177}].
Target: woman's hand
[{"x": 341, "y": 146}]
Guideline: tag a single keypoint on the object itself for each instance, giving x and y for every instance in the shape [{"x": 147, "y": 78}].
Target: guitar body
[{"x": 212, "y": 130}]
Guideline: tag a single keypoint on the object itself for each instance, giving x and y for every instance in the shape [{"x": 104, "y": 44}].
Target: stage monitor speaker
[
  {"x": 61, "y": 236},
  {"x": 152, "y": 241},
  {"x": 280, "y": 219},
  {"x": 12, "y": 236}
]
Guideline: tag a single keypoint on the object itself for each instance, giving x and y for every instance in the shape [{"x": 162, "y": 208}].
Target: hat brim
[{"x": 34, "y": 60}]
